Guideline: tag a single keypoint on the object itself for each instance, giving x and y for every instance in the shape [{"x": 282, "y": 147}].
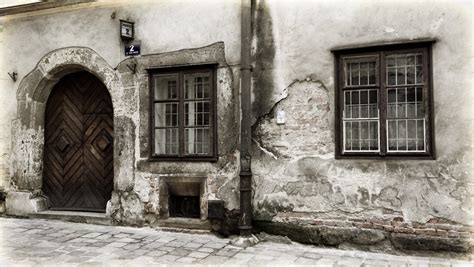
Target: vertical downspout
[{"x": 245, "y": 222}]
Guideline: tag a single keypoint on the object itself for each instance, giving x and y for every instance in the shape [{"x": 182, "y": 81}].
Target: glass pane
[
  {"x": 355, "y": 97},
  {"x": 348, "y": 135},
  {"x": 404, "y": 69},
  {"x": 392, "y": 95},
  {"x": 166, "y": 87},
  {"x": 361, "y": 120},
  {"x": 364, "y": 145},
  {"x": 411, "y": 129},
  {"x": 401, "y": 76},
  {"x": 355, "y": 130},
  {"x": 196, "y": 113},
  {"x": 411, "y": 75},
  {"x": 197, "y": 85},
  {"x": 419, "y": 94},
  {"x": 372, "y": 73},
  {"x": 360, "y": 71},
  {"x": 197, "y": 141},
  {"x": 374, "y": 130},
  {"x": 419, "y": 74},
  {"x": 391, "y": 74},
  {"x": 420, "y": 129},
  {"x": 364, "y": 97},
  {"x": 373, "y": 111},
  {"x": 364, "y": 130},
  {"x": 166, "y": 141},
  {"x": 166, "y": 114},
  {"x": 401, "y": 95},
  {"x": 373, "y": 96}
]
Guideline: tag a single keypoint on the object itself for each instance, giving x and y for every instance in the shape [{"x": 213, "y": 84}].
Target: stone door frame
[{"x": 25, "y": 194}]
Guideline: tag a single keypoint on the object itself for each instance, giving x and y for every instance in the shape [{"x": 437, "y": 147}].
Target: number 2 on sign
[{"x": 131, "y": 48}]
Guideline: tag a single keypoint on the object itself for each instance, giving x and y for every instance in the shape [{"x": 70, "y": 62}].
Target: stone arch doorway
[{"x": 78, "y": 169}]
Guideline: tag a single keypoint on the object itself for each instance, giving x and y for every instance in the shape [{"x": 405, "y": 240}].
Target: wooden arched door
[{"x": 78, "y": 151}]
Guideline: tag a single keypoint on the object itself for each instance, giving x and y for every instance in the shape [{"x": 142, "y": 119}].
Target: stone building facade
[{"x": 310, "y": 180}]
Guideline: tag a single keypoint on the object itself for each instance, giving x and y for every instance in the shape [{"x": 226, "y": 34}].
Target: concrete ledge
[
  {"x": 185, "y": 223},
  {"x": 335, "y": 236},
  {"x": 73, "y": 216}
]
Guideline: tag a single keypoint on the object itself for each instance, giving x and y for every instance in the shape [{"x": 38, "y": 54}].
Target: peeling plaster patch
[
  {"x": 307, "y": 129},
  {"x": 390, "y": 195},
  {"x": 273, "y": 204}
]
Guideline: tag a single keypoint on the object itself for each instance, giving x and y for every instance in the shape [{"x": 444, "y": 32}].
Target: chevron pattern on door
[{"x": 78, "y": 152}]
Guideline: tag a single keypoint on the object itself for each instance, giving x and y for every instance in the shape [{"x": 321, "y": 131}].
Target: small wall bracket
[{"x": 13, "y": 76}]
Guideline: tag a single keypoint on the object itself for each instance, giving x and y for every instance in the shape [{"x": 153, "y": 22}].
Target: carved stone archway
[{"x": 25, "y": 195}]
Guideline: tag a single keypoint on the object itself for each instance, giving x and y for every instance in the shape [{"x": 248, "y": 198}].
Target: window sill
[
  {"x": 386, "y": 157},
  {"x": 183, "y": 159}
]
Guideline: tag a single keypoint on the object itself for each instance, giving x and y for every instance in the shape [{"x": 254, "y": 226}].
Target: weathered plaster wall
[
  {"x": 296, "y": 177},
  {"x": 43, "y": 46}
]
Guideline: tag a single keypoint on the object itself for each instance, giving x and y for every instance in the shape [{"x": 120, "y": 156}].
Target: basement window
[
  {"x": 183, "y": 113},
  {"x": 384, "y": 101}
]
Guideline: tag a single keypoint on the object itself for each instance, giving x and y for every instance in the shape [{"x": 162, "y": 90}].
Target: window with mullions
[
  {"x": 384, "y": 101},
  {"x": 183, "y": 110}
]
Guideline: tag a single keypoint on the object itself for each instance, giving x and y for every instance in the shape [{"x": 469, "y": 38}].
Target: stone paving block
[
  {"x": 214, "y": 245},
  {"x": 103, "y": 237},
  {"x": 116, "y": 244},
  {"x": 180, "y": 252},
  {"x": 192, "y": 245},
  {"x": 127, "y": 240},
  {"x": 132, "y": 247},
  {"x": 312, "y": 255},
  {"x": 99, "y": 244},
  {"x": 156, "y": 253},
  {"x": 226, "y": 253},
  {"x": 175, "y": 244},
  {"x": 186, "y": 260},
  {"x": 168, "y": 258},
  {"x": 208, "y": 250},
  {"x": 92, "y": 235},
  {"x": 166, "y": 239},
  {"x": 198, "y": 255},
  {"x": 165, "y": 248},
  {"x": 144, "y": 259},
  {"x": 121, "y": 235},
  {"x": 306, "y": 261},
  {"x": 348, "y": 263},
  {"x": 212, "y": 259}
]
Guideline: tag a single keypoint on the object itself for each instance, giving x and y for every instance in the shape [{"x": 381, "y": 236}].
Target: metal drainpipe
[{"x": 245, "y": 222}]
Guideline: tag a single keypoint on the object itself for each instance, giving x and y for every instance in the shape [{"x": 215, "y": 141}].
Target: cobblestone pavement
[{"x": 28, "y": 242}]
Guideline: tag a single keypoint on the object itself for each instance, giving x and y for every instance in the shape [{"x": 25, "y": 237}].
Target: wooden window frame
[
  {"x": 381, "y": 51},
  {"x": 181, "y": 71}
]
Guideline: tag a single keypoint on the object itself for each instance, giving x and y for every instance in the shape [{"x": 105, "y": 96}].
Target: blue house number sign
[{"x": 132, "y": 49}]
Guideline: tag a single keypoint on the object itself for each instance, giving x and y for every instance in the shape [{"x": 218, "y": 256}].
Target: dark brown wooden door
[{"x": 78, "y": 152}]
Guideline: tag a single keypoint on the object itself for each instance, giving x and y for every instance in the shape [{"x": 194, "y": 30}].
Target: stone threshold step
[{"x": 73, "y": 216}]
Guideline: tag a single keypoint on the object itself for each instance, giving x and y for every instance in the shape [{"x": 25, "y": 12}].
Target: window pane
[
  {"x": 403, "y": 115},
  {"x": 166, "y": 87},
  {"x": 196, "y": 113},
  {"x": 197, "y": 140},
  {"x": 360, "y": 71},
  {"x": 166, "y": 141},
  {"x": 197, "y": 85},
  {"x": 404, "y": 69},
  {"x": 166, "y": 114},
  {"x": 361, "y": 120}
]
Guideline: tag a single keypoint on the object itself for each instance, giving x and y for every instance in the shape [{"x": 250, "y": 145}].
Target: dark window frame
[
  {"x": 381, "y": 51},
  {"x": 181, "y": 71}
]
